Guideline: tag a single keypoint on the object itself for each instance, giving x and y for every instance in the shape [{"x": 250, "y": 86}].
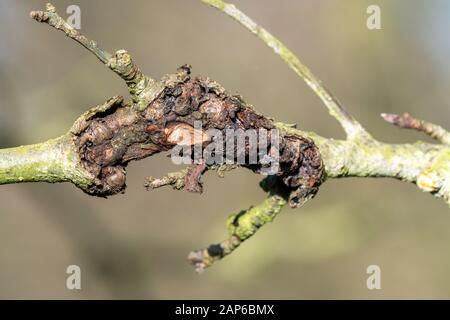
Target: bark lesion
[
  {"x": 116, "y": 133},
  {"x": 95, "y": 153}
]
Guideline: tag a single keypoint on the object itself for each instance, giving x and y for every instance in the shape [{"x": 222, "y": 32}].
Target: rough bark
[{"x": 95, "y": 152}]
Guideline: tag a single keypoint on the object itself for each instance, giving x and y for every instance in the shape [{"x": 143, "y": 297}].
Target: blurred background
[{"x": 135, "y": 245}]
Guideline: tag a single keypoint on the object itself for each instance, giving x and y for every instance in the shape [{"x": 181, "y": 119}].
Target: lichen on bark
[
  {"x": 95, "y": 152},
  {"x": 114, "y": 134}
]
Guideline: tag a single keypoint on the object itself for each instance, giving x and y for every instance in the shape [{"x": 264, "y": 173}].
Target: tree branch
[
  {"x": 51, "y": 17},
  {"x": 95, "y": 152},
  {"x": 407, "y": 121},
  {"x": 174, "y": 179},
  {"x": 51, "y": 161},
  {"x": 351, "y": 126}
]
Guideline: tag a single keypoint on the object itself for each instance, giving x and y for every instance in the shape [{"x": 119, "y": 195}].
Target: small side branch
[
  {"x": 174, "y": 179},
  {"x": 350, "y": 125},
  {"x": 120, "y": 62},
  {"x": 408, "y": 122},
  {"x": 241, "y": 226},
  {"x": 52, "y": 18},
  {"x": 94, "y": 154}
]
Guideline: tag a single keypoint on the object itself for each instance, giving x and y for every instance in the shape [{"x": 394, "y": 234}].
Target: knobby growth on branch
[{"x": 95, "y": 152}]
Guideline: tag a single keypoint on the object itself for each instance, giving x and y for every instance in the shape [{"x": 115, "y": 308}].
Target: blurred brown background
[{"x": 134, "y": 245}]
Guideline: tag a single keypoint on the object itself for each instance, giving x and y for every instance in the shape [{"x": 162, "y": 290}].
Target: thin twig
[
  {"x": 241, "y": 226},
  {"x": 408, "y": 122},
  {"x": 350, "y": 125},
  {"x": 120, "y": 62},
  {"x": 174, "y": 179},
  {"x": 51, "y": 17},
  {"x": 65, "y": 158}
]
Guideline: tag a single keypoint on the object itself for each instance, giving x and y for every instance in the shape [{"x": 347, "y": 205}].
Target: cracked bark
[{"x": 95, "y": 152}]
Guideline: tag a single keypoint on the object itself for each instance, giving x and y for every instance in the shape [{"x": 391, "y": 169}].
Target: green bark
[{"x": 55, "y": 160}]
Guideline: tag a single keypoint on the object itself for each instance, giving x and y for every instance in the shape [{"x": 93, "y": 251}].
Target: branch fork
[{"x": 94, "y": 154}]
